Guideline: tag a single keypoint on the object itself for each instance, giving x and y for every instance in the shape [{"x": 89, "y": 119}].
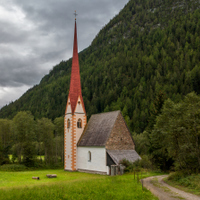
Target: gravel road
[{"x": 164, "y": 191}]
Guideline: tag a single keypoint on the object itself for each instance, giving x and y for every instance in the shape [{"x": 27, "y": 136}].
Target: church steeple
[
  {"x": 75, "y": 114},
  {"x": 75, "y": 82}
]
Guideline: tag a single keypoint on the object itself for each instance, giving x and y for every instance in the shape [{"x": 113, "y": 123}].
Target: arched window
[
  {"x": 79, "y": 123},
  {"x": 68, "y": 123},
  {"x": 89, "y": 156}
]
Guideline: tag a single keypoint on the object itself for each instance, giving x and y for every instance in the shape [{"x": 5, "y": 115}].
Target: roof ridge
[{"x": 106, "y": 112}]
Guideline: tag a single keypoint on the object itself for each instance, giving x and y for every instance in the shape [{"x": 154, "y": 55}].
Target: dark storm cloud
[
  {"x": 57, "y": 16},
  {"x": 37, "y": 35}
]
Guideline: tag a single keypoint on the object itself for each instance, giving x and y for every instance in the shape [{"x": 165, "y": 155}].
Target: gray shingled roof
[
  {"x": 119, "y": 155},
  {"x": 98, "y": 129}
]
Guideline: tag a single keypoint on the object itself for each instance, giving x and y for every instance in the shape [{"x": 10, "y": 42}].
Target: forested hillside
[{"x": 151, "y": 46}]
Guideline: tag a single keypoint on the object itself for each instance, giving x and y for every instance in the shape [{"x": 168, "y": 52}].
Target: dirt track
[{"x": 164, "y": 191}]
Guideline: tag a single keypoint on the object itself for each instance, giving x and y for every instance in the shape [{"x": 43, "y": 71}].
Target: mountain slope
[{"x": 150, "y": 46}]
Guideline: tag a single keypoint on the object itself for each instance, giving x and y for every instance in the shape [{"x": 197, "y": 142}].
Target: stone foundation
[{"x": 92, "y": 171}]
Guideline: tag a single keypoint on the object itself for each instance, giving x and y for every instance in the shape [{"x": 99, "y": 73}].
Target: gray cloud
[
  {"x": 37, "y": 35},
  {"x": 7, "y": 36}
]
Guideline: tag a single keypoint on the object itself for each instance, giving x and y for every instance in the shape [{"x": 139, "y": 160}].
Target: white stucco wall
[
  {"x": 98, "y": 159},
  {"x": 79, "y": 107},
  {"x": 67, "y": 143},
  {"x": 69, "y": 110}
]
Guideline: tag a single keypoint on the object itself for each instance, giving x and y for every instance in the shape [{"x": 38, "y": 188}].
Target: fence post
[{"x": 142, "y": 183}]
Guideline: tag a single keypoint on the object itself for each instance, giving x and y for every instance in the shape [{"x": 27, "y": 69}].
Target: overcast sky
[{"x": 36, "y": 35}]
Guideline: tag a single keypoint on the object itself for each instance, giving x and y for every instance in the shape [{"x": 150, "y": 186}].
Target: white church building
[{"x": 94, "y": 146}]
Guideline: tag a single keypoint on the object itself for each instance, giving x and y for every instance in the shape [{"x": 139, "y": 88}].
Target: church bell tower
[{"x": 75, "y": 114}]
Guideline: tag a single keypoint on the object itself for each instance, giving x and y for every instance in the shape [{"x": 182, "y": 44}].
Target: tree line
[
  {"x": 31, "y": 142},
  {"x": 172, "y": 139}
]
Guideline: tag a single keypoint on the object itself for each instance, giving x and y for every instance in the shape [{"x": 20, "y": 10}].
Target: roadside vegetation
[
  {"x": 183, "y": 181},
  {"x": 67, "y": 185}
]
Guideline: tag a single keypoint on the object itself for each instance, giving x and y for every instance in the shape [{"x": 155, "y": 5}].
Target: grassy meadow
[{"x": 71, "y": 185}]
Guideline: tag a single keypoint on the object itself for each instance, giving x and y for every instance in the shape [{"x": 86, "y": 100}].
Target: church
[{"x": 94, "y": 146}]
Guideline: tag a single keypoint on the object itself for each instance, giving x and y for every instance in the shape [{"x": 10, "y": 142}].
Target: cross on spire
[{"x": 75, "y": 14}]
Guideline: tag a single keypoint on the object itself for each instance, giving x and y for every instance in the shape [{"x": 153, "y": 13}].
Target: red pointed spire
[{"x": 75, "y": 82}]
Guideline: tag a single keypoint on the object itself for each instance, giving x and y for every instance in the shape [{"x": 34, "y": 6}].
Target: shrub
[
  {"x": 144, "y": 163},
  {"x": 176, "y": 176},
  {"x": 5, "y": 161},
  {"x": 129, "y": 167},
  {"x": 184, "y": 179},
  {"x": 12, "y": 167}
]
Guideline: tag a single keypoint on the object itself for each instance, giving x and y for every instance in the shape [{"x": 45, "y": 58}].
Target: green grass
[
  {"x": 71, "y": 185},
  {"x": 188, "y": 183}
]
